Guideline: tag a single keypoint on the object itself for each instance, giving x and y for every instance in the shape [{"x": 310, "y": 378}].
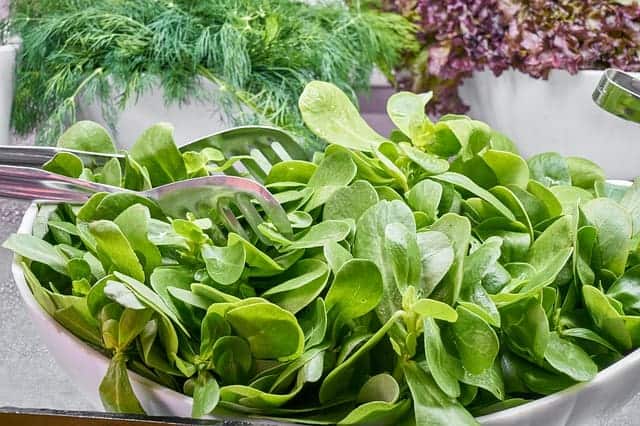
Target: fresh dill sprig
[{"x": 260, "y": 53}]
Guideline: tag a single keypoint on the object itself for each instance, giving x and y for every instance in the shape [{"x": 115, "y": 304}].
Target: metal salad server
[
  {"x": 262, "y": 146},
  {"x": 218, "y": 193},
  {"x": 619, "y": 93}
]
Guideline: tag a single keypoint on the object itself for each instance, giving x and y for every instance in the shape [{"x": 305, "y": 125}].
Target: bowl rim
[
  {"x": 34, "y": 308},
  {"x": 531, "y": 407}
]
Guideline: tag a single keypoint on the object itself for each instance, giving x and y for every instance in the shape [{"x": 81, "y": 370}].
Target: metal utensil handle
[
  {"x": 619, "y": 93},
  {"x": 36, "y": 156},
  {"x": 35, "y": 184}
]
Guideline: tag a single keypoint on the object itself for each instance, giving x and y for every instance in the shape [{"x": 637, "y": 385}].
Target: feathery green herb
[{"x": 259, "y": 53}]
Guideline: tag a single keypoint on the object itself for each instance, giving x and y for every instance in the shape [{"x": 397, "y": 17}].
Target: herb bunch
[
  {"x": 534, "y": 37},
  {"x": 259, "y": 53},
  {"x": 430, "y": 278}
]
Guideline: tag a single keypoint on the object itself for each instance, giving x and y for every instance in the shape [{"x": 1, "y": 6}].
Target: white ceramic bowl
[
  {"x": 555, "y": 115},
  {"x": 579, "y": 405}
]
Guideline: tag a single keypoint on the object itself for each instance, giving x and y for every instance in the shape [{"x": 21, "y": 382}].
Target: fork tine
[
  {"x": 251, "y": 215},
  {"x": 229, "y": 219},
  {"x": 274, "y": 211},
  {"x": 256, "y": 169}
]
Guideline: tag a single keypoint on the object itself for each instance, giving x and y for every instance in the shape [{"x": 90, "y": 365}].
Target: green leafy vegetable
[{"x": 427, "y": 278}]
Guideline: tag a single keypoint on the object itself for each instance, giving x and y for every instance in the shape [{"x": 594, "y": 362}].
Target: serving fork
[
  {"x": 217, "y": 194},
  {"x": 260, "y": 147}
]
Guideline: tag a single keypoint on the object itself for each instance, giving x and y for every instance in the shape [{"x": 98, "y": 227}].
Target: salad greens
[{"x": 432, "y": 276}]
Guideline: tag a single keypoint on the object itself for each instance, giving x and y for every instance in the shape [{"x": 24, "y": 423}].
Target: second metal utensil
[
  {"x": 262, "y": 146},
  {"x": 220, "y": 194},
  {"x": 619, "y": 93}
]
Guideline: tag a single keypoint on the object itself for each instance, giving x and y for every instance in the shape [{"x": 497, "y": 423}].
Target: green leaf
[
  {"x": 112, "y": 205},
  {"x": 232, "y": 359},
  {"x": 401, "y": 250},
  {"x": 407, "y": 111},
  {"x": 445, "y": 369},
  {"x": 587, "y": 334},
  {"x": 476, "y": 341},
  {"x": 377, "y": 412},
  {"x": 614, "y": 232},
  {"x": 74, "y": 319},
  {"x": 509, "y": 168},
  {"x": 381, "y": 387},
  {"x": 303, "y": 283},
  {"x": 329, "y": 113},
  {"x": 224, "y": 264},
  {"x": 350, "y": 202},
  {"x": 544, "y": 194},
  {"x": 431, "y": 406},
  {"x": 134, "y": 224},
  {"x": 606, "y": 318},
  {"x": 425, "y": 197},
  {"x": 291, "y": 171},
  {"x": 436, "y": 256},
  {"x": 212, "y": 294},
  {"x": 336, "y": 256},
  {"x": 206, "y": 394},
  {"x": 157, "y": 152},
  {"x": 131, "y": 324},
  {"x": 151, "y": 299},
  {"x": 36, "y": 249},
  {"x": 457, "y": 131},
  {"x": 120, "y": 294},
  {"x": 631, "y": 202},
  {"x": 136, "y": 177},
  {"x": 114, "y": 249},
  {"x": 467, "y": 184},
  {"x": 87, "y": 136},
  {"x": 435, "y": 309},
  {"x": 116, "y": 392},
  {"x": 584, "y": 173},
  {"x": 336, "y": 171},
  {"x": 569, "y": 359},
  {"x": 313, "y": 322},
  {"x": 626, "y": 290},
  {"x": 356, "y": 289},
  {"x": 272, "y": 332},
  {"x": 212, "y": 329},
  {"x": 490, "y": 380},
  {"x": 339, "y": 380},
  {"x": 571, "y": 197},
  {"x": 329, "y": 231},
  {"x": 66, "y": 164},
  {"x": 369, "y": 244},
  {"x": 478, "y": 263},
  {"x": 550, "y": 169},
  {"x": 112, "y": 173},
  {"x": 458, "y": 231},
  {"x": 526, "y": 327},
  {"x": 429, "y": 163},
  {"x": 259, "y": 262}
]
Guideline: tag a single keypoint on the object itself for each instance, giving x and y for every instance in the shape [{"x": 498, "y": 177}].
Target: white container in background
[
  {"x": 191, "y": 120},
  {"x": 7, "y": 78},
  {"x": 555, "y": 115},
  {"x": 200, "y": 117}
]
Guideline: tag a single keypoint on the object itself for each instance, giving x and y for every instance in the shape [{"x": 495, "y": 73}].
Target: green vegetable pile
[{"x": 433, "y": 276}]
